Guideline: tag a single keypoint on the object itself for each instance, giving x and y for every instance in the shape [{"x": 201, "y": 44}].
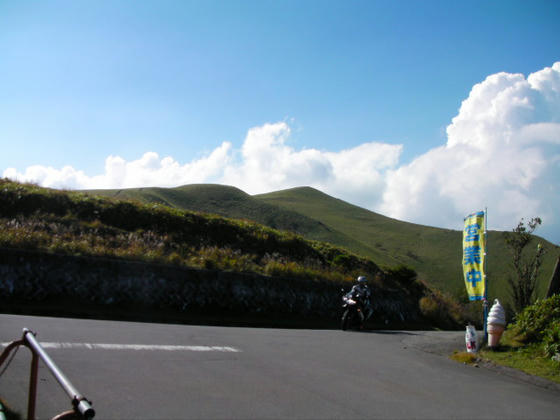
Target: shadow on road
[{"x": 385, "y": 332}]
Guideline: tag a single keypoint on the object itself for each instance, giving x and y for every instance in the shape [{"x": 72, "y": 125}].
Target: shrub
[
  {"x": 429, "y": 307},
  {"x": 341, "y": 260},
  {"x": 441, "y": 309},
  {"x": 552, "y": 339},
  {"x": 533, "y": 323},
  {"x": 403, "y": 274},
  {"x": 175, "y": 258}
]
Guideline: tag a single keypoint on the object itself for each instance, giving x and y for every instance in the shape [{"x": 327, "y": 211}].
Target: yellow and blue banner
[{"x": 474, "y": 252}]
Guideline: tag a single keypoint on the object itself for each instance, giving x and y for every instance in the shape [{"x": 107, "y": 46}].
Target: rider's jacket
[{"x": 363, "y": 290}]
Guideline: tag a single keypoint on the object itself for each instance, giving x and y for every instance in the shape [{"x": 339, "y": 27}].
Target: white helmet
[{"x": 362, "y": 279}]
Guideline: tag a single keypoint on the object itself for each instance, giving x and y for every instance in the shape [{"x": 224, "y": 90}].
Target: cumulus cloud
[
  {"x": 67, "y": 177},
  {"x": 148, "y": 171},
  {"x": 265, "y": 162},
  {"x": 501, "y": 152},
  {"x": 268, "y": 163}
]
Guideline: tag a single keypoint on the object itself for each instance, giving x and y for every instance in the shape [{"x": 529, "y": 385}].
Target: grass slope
[
  {"x": 390, "y": 242},
  {"x": 74, "y": 223},
  {"x": 434, "y": 253},
  {"x": 69, "y": 223},
  {"x": 233, "y": 203}
]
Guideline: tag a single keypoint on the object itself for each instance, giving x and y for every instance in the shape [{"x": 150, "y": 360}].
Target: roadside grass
[
  {"x": 464, "y": 357},
  {"x": 73, "y": 223},
  {"x": 511, "y": 353},
  {"x": 529, "y": 358},
  {"x": 531, "y": 344},
  {"x": 75, "y": 237}
]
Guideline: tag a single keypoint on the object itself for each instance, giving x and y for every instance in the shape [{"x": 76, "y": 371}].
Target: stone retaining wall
[{"x": 34, "y": 278}]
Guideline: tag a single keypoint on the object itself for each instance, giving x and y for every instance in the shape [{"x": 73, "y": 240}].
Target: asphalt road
[{"x": 155, "y": 371}]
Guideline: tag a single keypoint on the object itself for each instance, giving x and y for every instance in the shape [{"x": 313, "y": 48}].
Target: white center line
[{"x": 150, "y": 347}]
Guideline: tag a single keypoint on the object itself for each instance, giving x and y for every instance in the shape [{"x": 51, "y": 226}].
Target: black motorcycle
[{"x": 353, "y": 310}]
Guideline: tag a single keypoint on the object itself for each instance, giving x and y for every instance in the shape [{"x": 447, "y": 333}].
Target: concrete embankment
[{"x": 60, "y": 285}]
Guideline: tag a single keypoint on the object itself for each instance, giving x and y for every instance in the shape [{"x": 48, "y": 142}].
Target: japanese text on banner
[{"x": 473, "y": 255}]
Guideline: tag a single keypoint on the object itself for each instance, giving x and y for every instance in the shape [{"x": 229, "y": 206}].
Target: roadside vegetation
[
  {"x": 532, "y": 342},
  {"x": 526, "y": 264},
  {"x": 76, "y": 223},
  {"x": 465, "y": 357},
  {"x": 79, "y": 223},
  {"x": 433, "y": 253}
]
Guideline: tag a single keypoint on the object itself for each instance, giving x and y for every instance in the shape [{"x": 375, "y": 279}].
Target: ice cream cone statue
[{"x": 496, "y": 323}]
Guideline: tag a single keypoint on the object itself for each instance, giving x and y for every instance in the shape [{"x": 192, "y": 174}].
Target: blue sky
[{"x": 85, "y": 83}]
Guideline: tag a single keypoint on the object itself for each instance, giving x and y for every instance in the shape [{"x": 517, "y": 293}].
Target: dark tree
[{"x": 526, "y": 263}]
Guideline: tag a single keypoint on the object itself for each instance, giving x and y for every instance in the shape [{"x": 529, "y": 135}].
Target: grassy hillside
[
  {"x": 220, "y": 200},
  {"x": 233, "y": 203},
  {"x": 283, "y": 264},
  {"x": 81, "y": 224},
  {"x": 434, "y": 253}
]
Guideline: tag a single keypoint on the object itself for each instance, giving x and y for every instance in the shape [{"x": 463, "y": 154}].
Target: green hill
[
  {"x": 77, "y": 223},
  {"x": 61, "y": 250},
  {"x": 433, "y": 252},
  {"x": 233, "y": 203}
]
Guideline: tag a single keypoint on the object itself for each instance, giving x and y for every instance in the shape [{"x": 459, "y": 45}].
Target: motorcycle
[{"x": 353, "y": 310}]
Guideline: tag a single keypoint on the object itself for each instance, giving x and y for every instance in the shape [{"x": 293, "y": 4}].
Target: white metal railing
[{"x": 82, "y": 408}]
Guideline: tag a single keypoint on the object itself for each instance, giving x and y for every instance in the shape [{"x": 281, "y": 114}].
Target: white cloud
[
  {"x": 269, "y": 164},
  {"x": 67, "y": 177},
  {"x": 265, "y": 163},
  {"x": 501, "y": 152},
  {"x": 150, "y": 170}
]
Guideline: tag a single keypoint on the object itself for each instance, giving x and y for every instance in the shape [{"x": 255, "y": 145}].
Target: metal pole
[
  {"x": 32, "y": 397},
  {"x": 80, "y": 403},
  {"x": 485, "y": 275}
]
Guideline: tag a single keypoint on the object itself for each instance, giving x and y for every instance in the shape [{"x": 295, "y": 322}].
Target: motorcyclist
[{"x": 361, "y": 288}]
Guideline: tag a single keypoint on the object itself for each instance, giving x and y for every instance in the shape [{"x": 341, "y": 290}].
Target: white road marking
[{"x": 150, "y": 347}]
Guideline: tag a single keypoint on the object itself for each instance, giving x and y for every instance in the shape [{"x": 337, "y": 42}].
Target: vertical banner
[{"x": 474, "y": 249}]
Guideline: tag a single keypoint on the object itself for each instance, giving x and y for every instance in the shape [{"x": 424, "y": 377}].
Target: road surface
[{"x": 156, "y": 371}]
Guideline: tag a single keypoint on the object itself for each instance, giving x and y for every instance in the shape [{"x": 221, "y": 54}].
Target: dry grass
[{"x": 464, "y": 357}]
